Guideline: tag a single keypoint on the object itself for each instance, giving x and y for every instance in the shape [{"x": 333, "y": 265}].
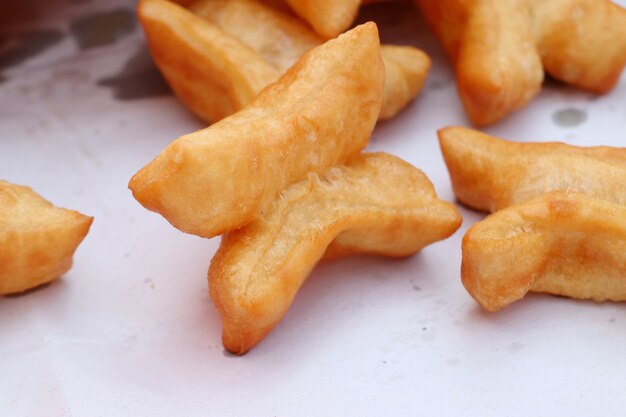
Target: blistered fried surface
[
  {"x": 37, "y": 240},
  {"x": 319, "y": 114},
  {"x": 500, "y": 48},
  {"x": 378, "y": 204},
  {"x": 265, "y": 38},
  {"x": 490, "y": 174},
  {"x": 561, "y": 243}
]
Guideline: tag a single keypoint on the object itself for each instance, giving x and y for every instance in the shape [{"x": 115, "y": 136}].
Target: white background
[{"x": 130, "y": 330}]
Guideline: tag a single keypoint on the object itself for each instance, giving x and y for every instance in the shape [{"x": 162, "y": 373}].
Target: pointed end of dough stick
[
  {"x": 406, "y": 69},
  {"x": 328, "y": 18},
  {"x": 473, "y": 159},
  {"x": 37, "y": 239}
]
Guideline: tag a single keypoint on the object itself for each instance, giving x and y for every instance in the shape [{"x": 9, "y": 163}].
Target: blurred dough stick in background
[
  {"x": 327, "y": 17},
  {"x": 219, "y": 54},
  {"x": 500, "y": 49}
]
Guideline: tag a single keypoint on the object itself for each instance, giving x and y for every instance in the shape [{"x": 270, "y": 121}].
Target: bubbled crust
[
  {"x": 378, "y": 204},
  {"x": 561, "y": 243},
  {"x": 490, "y": 174},
  {"x": 319, "y": 114}
]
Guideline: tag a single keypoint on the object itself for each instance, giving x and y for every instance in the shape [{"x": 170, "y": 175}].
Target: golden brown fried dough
[
  {"x": 500, "y": 48},
  {"x": 581, "y": 42},
  {"x": 405, "y": 72},
  {"x": 212, "y": 73},
  {"x": 377, "y": 204},
  {"x": 281, "y": 39},
  {"x": 37, "y": 240},
  {"x": 490, "y": 174},
  {"x": 560, "y": 243},
  {"x": 277, "y": 40},
  {"x": 328, "y": 17},
  {"x": 493, "y": 48},
  {"x": 319, "y": 114}
]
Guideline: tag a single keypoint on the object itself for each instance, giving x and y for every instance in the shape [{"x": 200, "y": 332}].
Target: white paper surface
[{"x": 131, "y": 331}]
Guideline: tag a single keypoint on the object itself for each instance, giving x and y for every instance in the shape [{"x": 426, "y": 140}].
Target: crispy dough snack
[
  {"x": 405, "y": 72},
  {"x": 490, "y": 174},
  {"x": 582, "y": 42},
  {"x": 501, "y": 48},
  {"x": 211, "y": 72},
  {"x": 219, "y": 54},
  {"x": 377, "y": 204},
  {"x": 37, "y": 240},
  {"x": 281, "y": 39},
  {"x": 319, "y": 114},
  {"x": 560, "y": 243},
  {"x": 562, "y": 224}
]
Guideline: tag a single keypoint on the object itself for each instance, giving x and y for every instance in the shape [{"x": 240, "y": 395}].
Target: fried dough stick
[
  {"x": 492, "y": 46},
  {"x": 377, "y": 204},
  {"x": 500, "y": 48},
  {"x": 281, "y": 39},
  {"x": 319, "y": 114},
  {"x": 560, "y": 243},
  {"x": 581, "y": 42},
  {"x": 212, "y": 73},
  {"x": 219, "y": 63},
  {"x": 406, "y": 69},
  {"x": 490, "y": 174},
  {"x": 37, "y": 240}
]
